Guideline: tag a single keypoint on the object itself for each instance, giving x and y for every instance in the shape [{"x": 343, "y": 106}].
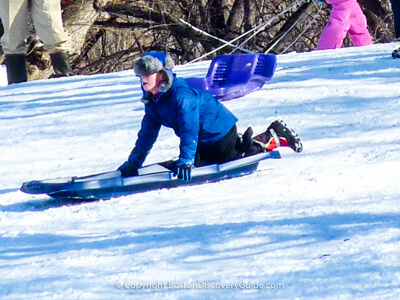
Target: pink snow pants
[{"x": 346, "y": 17}]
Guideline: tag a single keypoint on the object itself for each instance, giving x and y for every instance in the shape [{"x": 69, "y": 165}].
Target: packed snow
[{"x": 321, "y": 224}]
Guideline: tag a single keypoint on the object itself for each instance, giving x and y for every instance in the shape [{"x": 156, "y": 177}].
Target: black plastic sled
[{"x": 152, "y": 177}]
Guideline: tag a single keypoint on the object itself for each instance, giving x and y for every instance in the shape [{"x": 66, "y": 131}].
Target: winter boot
[
  {"x": 16, "y": 68},
  {"x": 396, "y": 53},
  {"x": 249, "y": 146},
  {"x": 246, "y": 142},
  {"x": 279, "y": 134},
  {"x": 60, "y": 62}
]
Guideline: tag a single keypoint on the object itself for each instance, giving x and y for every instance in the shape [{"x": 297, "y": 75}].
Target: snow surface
[{"x": 322, "y": 224}]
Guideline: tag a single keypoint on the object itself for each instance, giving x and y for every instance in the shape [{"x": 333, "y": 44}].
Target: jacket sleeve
[
  {"x": 188, "y": 122},
  {"x": 147, "y": 136}
]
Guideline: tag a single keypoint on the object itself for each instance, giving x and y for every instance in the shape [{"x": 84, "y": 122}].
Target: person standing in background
[
  {"x": 396, "y": 14},
  {"x": 346, "y": 17},
  {"x": 47, "y": 19}
]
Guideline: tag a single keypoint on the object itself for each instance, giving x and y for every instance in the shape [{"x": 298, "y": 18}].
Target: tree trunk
[
  {"x": 79, "y": 16},
  {"x": 236, "y": 17}
]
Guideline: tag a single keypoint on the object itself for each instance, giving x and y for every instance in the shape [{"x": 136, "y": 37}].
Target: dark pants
[
  {"x": 396, "y": 13},
  {"x": 226, "y": 149}
]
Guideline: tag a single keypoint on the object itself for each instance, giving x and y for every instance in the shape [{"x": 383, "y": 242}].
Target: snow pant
[
  {"x": 226, "y": 149},
  {"x": 346, "y": 17},
  {"x": 396, "y": 14},
  {"x": 47, "y": 19}
]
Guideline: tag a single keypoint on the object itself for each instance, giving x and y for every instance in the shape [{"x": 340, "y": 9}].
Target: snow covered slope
[{"x": 322, "y": 224}]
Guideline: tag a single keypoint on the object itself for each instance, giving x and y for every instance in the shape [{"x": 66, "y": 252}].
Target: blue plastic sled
[
  {"x": 157, "y": 176},
  {"x": 233, "y": 76}
]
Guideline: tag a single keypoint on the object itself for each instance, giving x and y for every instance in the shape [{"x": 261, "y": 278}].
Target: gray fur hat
[{"x": 154, "y": 62}]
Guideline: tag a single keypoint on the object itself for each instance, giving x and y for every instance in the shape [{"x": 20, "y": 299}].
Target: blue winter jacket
[{"x": 197, "y": 118}]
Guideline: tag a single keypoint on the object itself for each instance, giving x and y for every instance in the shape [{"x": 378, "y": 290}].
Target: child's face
[{"x": 150, "y": 83}]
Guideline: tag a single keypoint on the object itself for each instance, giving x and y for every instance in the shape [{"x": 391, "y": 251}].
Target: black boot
[
  {"x": 396, "y": 53},
  {"x": 246, "y": 142},
  {"x": 60, "y": 62},
  {"x": 16, "y": 68},
  {"x": 249, "y": 146},
  {"x": 279, "y": 134}
]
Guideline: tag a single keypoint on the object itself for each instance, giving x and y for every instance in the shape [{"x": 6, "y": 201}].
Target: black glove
[
  {"x": 183, "y": 172},
  {"x": 128, "y": 169}
]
